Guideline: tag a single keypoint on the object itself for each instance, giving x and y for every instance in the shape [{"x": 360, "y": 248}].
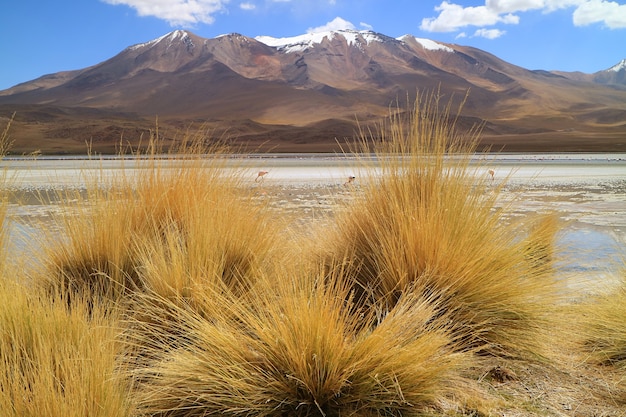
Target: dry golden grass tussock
[
  {"x": 429, "y": 222},
  {"x": 215, "y": 255},
  {"x": 297, "y": 349},
  {"x": 5, "y": 138},
  {"x": 541, "y": 242},
  {"x": 5, "y": 181},
  {"x": 604, "y": 327},
  {"x": 601, "y": 330},
  {"x": 224, "y": 243},
  {"x": 91, "y": 255},
  {"x": 146, "y": 215},
  {"x": 55, "y": 361}
]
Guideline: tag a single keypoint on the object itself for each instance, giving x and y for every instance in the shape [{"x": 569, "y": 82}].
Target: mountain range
[{"x": 309, "y": 93}]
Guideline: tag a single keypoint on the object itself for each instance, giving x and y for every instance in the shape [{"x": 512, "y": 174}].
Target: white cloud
[
  {"x": 453, "y": 17},
  {"x": 461, "y": 35},
  {"x": 247, "y": 6},
  {"x": 489, "y": 33},
  {"x": 612, "y": 14},
  {"x": 336, "y": 24},
  {"x": 176, "y": 12},
  {"x": 366, "y": 26},
  {"x": 552, "y": 5},
  {"x": 512, "y": 6},
  {"x": 510, "y": 19}
]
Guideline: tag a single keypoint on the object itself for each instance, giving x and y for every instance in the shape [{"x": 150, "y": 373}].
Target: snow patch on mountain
[
  {"x": 303, "y": 42},
  {"x": 426, "y": 43},
  {"x": 170, "y": 38},
  {"x": 619, "y": 67},
  {"x": 234, "y": 35}
]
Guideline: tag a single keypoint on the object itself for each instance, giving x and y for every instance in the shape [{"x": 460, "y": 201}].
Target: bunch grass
[
  {"x": 171, "y": 222},
  {"x": 430, "y": 223},
  {"x": 296, "y": 348},
  {"x": 5, "y": 182},
  {"x": 57, "y": 361},
  {"x": 604, "y": 327}
]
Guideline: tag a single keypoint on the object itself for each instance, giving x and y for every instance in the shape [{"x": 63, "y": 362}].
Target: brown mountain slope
[{"x": 304, "y": 93}]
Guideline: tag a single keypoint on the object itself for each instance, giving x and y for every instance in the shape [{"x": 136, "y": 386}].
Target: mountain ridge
[{"x": 321, "y": 79}]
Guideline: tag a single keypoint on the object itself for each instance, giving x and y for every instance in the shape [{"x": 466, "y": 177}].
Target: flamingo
[
  {"x": 492, "y": 173},
  {"x": 350, "y": 180},
  {"x": 260, "y": 176}
]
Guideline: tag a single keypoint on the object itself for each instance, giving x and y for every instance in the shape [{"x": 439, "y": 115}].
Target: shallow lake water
[{"x": 586, "y": 190}]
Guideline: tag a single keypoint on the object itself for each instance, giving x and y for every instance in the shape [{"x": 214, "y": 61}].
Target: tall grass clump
[
  {"x": 604, "y": 327},
  {"x": 430, "y": 223},
  {"x": 5, "y": 144},
  {"x": 215, "y": 254},
  {"x": 601, "y": 333},
  {"x": 167, "y": 222},
  {"x": 5, "y": 138},
  {"x": 55, "y": 361},
  {"x": 295, "y": 348},
  {"x": 221, "y": 241}
]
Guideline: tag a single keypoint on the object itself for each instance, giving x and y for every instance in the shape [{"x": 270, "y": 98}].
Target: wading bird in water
[
  {"x": 350, "y": 180},
  {"x": 260, "y": 176},
  {"x": 492, "y": 173}
]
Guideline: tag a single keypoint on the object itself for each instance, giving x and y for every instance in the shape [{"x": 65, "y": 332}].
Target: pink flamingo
[
  {"x": 260, "y": 176},
  {"x": 351, "y": 179},
  {"x": 492, "y": 173}
]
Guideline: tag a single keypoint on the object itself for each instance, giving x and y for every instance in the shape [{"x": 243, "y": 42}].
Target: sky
[{"x": 39, "y": 37}]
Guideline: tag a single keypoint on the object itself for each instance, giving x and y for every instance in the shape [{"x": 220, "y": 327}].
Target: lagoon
[{"x": 588, "y": 191}]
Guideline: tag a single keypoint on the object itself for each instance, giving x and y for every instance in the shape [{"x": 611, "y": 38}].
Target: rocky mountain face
[
  {"x": 615, "y": 75},
  {"x": 304, "y": 93}
]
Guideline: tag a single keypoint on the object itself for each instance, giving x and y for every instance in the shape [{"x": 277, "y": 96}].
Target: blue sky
[{"x": 39, "y": 37}]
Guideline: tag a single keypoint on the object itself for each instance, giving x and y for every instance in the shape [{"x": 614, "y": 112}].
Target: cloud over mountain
[
  {"x": 612, "y": 14},
  {"x": 452, "y": 17},
  {"x": 183, "y": 13},
  {"x": 336, "y": 24}
]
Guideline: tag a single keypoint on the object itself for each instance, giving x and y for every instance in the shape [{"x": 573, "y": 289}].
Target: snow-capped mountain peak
[
  {"x": 302, "y": 42},
  {"x": 426, "y": 43},
  {"x": 619, "y": 67},
  {"x": 169, "y": 38}
]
